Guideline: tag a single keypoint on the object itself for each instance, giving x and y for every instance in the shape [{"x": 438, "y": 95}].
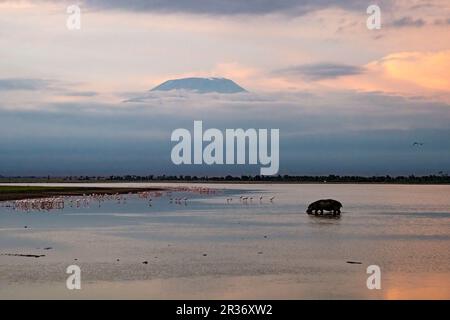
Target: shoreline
[
  {"x": 235, "y": 250},
  {"x": 12, "y": 193},
  {"x": 57, "y": 181}
]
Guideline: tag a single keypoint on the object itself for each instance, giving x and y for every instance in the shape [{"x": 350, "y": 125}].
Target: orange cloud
[
  {"x": 406, "y": 73},
  {"x": 425, "y": 70}
]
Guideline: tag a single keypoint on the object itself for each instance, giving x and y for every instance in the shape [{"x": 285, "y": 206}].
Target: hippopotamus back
[{"x": 325, "y": 205}]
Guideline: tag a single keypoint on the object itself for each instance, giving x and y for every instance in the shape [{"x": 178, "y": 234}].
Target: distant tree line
[
  {"x": 429, "y": 179},
  {"x": 412, "y": 179}
]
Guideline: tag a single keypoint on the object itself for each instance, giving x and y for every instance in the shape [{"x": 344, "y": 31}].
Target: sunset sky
[{"x": 347, "y": 100}]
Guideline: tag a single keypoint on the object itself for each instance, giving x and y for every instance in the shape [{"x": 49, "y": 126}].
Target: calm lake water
[{"x": 211, "y": 247}]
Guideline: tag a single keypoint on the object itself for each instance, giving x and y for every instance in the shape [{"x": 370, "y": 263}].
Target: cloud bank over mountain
[
  {"x": 343, "y": 133},
  {"x": 226, "y": 7}
]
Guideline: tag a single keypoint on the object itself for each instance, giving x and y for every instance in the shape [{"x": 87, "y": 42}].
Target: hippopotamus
[{"x": 325, "y": 204}]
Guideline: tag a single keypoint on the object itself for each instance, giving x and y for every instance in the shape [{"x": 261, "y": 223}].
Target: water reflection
[
  {"x": 254, "y": 247},
  {"x": 417, "y": 286}
]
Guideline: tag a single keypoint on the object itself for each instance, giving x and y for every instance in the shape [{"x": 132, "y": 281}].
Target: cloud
[
  {"x": 406, "y": 73},
  {"x": 427, "y": 70},
  {"x": 319, "y": 134},
  {"x": 442, "y": 22},
  {"x": 81, "y": 94},
  {"x": 23, "y": 84},
  {"x": 226, "y": 7},
  {"x": 320, "y": 71},
  {"x": 408, "y": 22}
]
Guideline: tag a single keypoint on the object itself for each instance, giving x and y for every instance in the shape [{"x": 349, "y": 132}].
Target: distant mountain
[{"x": 201, "y": 85}]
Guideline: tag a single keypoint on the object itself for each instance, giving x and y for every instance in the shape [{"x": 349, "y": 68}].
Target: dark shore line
[
  {"x": 23, "y": 255},
  {"x": 441, "y": 178},
  {"x": 8, "y": 193}
]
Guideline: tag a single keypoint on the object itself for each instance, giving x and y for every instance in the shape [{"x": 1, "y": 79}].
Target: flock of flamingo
[
  {"x": 85, "y": 201},
  {"x": 247, "y": 200}
]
